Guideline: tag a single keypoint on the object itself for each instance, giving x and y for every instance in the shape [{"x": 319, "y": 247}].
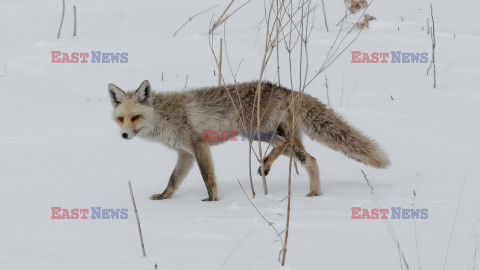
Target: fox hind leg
[
  {"x": 271, "y": 157},
  {"x": 184, "y": 164},
  {"x": 299, "y": 154},
  {"x": 309, "y": 163},
  {"x": 280, "y": 145}
]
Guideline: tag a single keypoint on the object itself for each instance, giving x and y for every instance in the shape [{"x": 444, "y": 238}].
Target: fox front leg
[
  {"x": 184, "y": 164},
  {"x": 204, "y": 161}
]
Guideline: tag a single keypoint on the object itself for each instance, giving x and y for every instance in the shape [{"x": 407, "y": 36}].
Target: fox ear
[
  {"x": 144, "y": 93},
  {"x": 117, "y": 96}
]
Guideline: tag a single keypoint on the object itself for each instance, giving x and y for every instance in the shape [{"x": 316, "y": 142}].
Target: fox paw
[
  {"x": 210, "y": 199},
  {"x": 266, "y": 171},
  {"x": 313, "y": 193},
  {"x": 162, "y": 196}
]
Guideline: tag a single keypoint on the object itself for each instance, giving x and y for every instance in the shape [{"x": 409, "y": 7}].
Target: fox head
[{"x": 133, "y": 111}]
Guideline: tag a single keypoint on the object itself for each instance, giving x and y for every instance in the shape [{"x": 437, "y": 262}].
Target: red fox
[{"x": 177, "y": 120}]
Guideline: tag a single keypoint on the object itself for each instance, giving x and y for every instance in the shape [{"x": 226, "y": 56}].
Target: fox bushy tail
[{"x": 324, "y": 125}]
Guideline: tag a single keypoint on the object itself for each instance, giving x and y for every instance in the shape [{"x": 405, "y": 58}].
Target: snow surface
[{"x": 59, "y": 146}]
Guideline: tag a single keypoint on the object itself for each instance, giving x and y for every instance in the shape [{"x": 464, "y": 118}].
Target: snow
[{"x": 60, "y": 148}]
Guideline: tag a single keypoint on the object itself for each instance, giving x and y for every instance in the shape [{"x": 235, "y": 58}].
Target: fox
[{"x": 177, "y": 119}]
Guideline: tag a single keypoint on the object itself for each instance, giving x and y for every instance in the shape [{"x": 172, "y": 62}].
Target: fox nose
[{"x": 124, "y": 135}]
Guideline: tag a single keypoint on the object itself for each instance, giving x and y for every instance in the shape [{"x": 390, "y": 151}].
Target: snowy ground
[{"x": 59, "y": 146}]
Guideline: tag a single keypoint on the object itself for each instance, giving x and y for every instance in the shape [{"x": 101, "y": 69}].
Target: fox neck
[{"x": 163, "y": 128}]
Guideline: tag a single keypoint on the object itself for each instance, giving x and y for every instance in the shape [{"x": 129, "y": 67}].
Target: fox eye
[
  {"x": 120, "y": 119},
  {"x": 135, "y": 117}
]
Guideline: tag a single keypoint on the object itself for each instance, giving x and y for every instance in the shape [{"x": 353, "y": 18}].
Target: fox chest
[{"x": 166, "y": 137}]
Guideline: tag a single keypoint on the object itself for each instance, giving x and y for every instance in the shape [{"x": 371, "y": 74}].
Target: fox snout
[
  {"x": 128, "y": 130},
  {"x": 127, "y": 135}
]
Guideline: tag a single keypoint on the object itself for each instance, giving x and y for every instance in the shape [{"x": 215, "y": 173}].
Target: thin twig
[
  {"x": 416, "y": 238},
  {"x": 268, "y": 49},
  {"x": 303, "y": 50},
  {"x": 261, "y": 252},
  {"x": 325, "y": 15},
  {"x": 61, "y": 21},
  {"x": 74, "y": 21},
  {"x": 220, "y": 64},
  {"x": 191, "y": 18},
  {"x": 345, "y": 16},
  {"x": 387, "y": 223},
  {"x": 287, "y": 228},
  {"x": 455, "y": 220},
  {"x": 138, "y": 219},
  {"x": 222, "y": 20},
  {"x": 474, "y": 226},
  {"x": 475, "y": 254},
  {"x": 215, "y": 25},
  {"x": 326, "y": 87},
  {"x": 248, "y": 234},
  {"x": 239, "y": 111},
  {"x": 472, "y": 262},
  {"x": 234, "y": 75},
  {"x": 434, "y": 41},
  {"x": 428, "y": 26},
  {"x": 261, "y": 215},
  {"x": 333, "y": 55}
]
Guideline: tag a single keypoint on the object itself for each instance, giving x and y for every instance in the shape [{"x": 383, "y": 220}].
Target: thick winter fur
[{"x": 177, "y": 120}]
